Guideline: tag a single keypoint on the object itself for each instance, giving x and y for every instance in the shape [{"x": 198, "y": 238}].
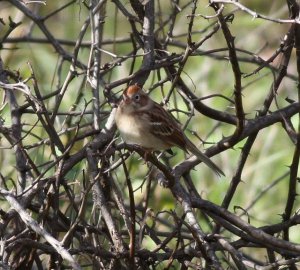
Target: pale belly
[{"x": 133, "y": 132}]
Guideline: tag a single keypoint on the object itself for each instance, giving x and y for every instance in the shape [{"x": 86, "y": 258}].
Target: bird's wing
[{"x": 163, "y": 125}]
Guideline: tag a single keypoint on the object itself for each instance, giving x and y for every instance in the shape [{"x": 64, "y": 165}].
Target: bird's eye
[{"x": 137, "y": 97}]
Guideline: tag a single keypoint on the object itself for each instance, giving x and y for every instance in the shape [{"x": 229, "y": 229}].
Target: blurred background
[{"x": 261, "y": 196}]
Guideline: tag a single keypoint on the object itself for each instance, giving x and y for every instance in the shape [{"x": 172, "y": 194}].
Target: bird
[{"x": 143, "y": 122}]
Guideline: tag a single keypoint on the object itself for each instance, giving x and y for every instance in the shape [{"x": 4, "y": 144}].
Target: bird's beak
[{"x": 126, "y": 99}]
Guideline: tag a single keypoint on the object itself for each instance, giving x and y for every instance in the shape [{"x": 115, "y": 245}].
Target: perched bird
[{"x": 142, "y": 121}]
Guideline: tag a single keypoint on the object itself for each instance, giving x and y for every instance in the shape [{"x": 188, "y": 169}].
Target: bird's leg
[{"x": 146, "y": 154}]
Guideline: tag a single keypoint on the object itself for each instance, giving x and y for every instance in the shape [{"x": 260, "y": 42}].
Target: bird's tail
[{"x": 193, "y": 149}]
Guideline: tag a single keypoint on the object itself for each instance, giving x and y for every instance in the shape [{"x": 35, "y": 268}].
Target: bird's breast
[
  {"x": 130, "y": 128},
  {"x": 136, "y": 130}
]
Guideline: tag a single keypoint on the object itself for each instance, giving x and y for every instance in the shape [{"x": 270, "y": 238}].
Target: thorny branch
[{"x": 73, "y": 195}]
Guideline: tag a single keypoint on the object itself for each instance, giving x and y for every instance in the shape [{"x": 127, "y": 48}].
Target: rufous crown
[{"x": 132, "y": 89}]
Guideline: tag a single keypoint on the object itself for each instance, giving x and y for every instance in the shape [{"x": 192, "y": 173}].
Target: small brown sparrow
[{"x": 143, "y": 122}]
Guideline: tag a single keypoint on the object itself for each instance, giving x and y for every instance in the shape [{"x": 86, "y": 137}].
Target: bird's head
[{"x": 135, "y": 97}]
